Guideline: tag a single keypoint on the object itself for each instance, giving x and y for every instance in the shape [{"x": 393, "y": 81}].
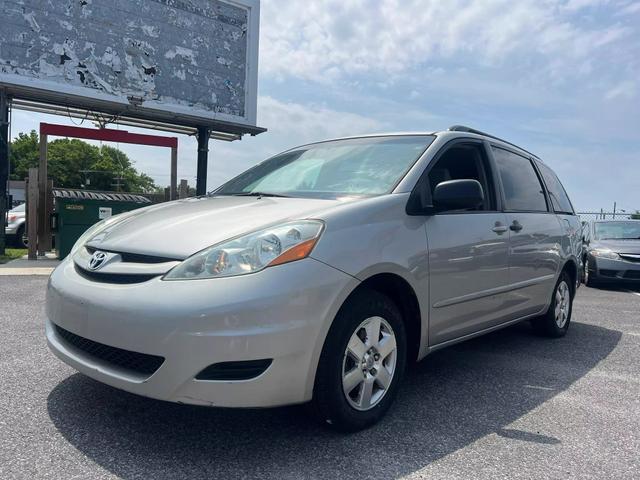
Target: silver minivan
[{"x": 318, "y": 274}]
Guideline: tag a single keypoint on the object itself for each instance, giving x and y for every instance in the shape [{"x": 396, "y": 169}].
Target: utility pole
[{"x": 4, "y": 164}]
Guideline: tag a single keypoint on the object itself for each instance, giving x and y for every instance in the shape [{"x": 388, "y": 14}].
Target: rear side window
[
  {"x": 559, "y": 198},
  {"x": 522, "y": 188}
]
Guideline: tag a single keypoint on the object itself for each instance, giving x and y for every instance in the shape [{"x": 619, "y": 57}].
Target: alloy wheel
[
  {"x": 369, "y": 363},
  {"x": 563, "y": 304}
]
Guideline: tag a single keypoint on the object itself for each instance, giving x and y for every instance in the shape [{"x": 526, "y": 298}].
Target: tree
[
  {"x": 636, "y": 216},
  {"x": 73, "y": 163}
]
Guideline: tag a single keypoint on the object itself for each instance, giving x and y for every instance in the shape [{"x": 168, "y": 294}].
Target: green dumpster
[{"x": 77, "y": 210}]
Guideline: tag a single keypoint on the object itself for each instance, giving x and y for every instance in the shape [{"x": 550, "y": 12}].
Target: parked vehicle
[
  {"x": 319, "y": 273},
  {"x": 16, "y": 224},
  {"x": 612, "y": 251}
]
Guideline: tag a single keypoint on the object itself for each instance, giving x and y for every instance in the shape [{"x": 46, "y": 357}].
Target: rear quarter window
[{"x": 559, "y": 198}]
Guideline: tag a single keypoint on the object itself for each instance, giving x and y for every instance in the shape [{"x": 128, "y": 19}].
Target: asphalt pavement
[{"x": 507, "y": 405}]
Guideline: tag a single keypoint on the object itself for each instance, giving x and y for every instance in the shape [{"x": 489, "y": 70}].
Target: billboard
[{"x": 190, "y": 62}]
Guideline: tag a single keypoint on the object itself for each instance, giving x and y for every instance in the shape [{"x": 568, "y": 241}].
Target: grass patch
[{"x": 12, "y": 254}]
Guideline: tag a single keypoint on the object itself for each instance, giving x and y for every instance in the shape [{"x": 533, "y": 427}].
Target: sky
[{"x": 560, "y": 78}]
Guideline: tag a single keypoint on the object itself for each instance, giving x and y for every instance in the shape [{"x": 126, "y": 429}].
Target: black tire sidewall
[
  {"x": 330, "y": 402},
  {"x": 19, "y": 242},
  {"x": 546, "y": 324}
]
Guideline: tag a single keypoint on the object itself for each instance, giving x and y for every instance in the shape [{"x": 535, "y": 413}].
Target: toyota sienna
[{"x": 319, "y": 274}]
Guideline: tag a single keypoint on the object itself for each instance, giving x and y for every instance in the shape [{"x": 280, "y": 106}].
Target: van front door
[{"x": 468, "y": 251}]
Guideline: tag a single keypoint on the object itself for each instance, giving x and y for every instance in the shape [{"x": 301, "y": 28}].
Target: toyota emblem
[{"x": 97, "y": 260}]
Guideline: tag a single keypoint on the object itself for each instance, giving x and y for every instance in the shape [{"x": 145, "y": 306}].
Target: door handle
[
  {"x": 515, "y": 226},
  {"x": 499, "y": 229}
]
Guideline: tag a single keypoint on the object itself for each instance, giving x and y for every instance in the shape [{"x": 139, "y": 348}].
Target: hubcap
[
  {"x": 563, "y": 303},
  {"x": 369, "y": 363}
]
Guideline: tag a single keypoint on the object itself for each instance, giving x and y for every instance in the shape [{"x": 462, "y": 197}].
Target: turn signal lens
[{"x": 298, "y": 252}]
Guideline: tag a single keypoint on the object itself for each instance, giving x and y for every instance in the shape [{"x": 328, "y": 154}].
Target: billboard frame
[{"x": 49, "y": 95}]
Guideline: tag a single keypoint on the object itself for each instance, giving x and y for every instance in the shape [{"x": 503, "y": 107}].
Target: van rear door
[{"x": 536, "y": 235}]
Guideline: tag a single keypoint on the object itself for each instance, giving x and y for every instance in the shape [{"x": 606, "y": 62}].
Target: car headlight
[
  {"x": 604, "y": 253},
  {"x": 251, "y": 253}
]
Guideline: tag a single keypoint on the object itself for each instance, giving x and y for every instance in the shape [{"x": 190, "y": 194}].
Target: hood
[
  {"x": 181, "y": 228},
  {"x": 618, "y": 246}
]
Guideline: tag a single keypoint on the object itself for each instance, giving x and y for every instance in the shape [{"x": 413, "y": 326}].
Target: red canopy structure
[{"x": 102, "y": 134}]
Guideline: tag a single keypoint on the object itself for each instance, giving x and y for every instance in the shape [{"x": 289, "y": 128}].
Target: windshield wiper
[{"x": 257, "y": 194}]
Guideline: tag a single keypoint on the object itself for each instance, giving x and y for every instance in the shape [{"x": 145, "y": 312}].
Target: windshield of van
[
  {"x": 618, "y": 230},
  {"x": 351, "y": 167}
]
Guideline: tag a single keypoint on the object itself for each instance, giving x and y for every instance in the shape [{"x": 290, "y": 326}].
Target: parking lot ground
[{"x": 507, "y": 405}]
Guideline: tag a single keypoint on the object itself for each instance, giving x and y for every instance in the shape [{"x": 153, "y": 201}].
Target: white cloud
[
  {"x": 630, "y": 9},
  {"x": 326, "y": 40},
  {"x": 626, "y": 89},
  {"x": 311, "y": 122}
]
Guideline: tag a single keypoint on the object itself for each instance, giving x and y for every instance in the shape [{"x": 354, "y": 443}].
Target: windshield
[
  {"x": 618, "y": 230},
  {"x": 359, "y": 166}
]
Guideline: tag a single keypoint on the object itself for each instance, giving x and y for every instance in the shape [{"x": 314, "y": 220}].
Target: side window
[
  {"x": 559, "y": 198},
  {"x": 522, "y": 188},
  {"x": 464, "y": 161}
]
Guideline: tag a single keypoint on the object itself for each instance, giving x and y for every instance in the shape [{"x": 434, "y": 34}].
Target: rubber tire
[
  {"x": 546, "y": 325},
  {"x": 18, "y": 238},
  {"x": 591, "y": 280},
  {"x": 329, "y": 404}
]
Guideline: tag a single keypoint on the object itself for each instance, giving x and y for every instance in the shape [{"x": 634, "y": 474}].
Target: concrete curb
[{"x": 25, "y": 271}]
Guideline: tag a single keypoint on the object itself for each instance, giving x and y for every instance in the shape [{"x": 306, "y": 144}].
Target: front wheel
[
  {"x": 590, "y": 279},
  {"x": 362, "y": 363},
  {"x": 555, "y": 322}
]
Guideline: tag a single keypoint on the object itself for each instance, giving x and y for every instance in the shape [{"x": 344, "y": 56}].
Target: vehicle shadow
[{"x": 449, "y": 400}]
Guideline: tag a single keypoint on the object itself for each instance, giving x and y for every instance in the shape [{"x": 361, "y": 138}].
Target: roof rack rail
[{"x": 462, "y": 128}]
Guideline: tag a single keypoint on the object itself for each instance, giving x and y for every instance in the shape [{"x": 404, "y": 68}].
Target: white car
[{"x": 16, "y": 224}]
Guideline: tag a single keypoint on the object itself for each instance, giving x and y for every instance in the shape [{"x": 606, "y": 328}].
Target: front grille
[
  {"x": 136, "y": 257},
  {"x": 120, "y": 278},
  {"x": 139, "y": 363},
  {"x": 630, "y": 257}
]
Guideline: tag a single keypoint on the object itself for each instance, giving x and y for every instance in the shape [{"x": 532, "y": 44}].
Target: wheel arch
[
  {"x": 404, "y": 296},
  {"x": 571, "y": 268}
]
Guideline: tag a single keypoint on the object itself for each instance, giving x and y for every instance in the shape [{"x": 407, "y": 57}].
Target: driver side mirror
[{"x": 463, "y": 194}]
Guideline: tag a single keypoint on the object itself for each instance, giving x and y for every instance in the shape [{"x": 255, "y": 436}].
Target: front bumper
[
  {"x": 281, "y": 313},
  {"x": 615, "y": 270}
]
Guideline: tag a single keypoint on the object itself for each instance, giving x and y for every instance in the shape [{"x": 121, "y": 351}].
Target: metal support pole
[
  {"x": 183, "y": 190},
  {"x": 44, "y": 239},
  {"x": 32, "y": 213},
  {"x": 203, "y": 154},
  {"x": 4, "y": 164},
  {"x": 173, "y": 188}
]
